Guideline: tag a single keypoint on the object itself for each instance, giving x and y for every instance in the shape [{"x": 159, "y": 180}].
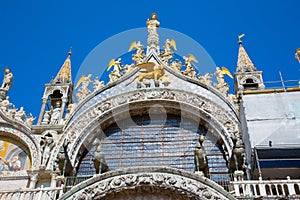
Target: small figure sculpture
[
  {"x": 83, "y": 91},
  {"x": 55, "y": 114},
  {"x": 97, "y": 84},
  {"x": 200, "y": 159},
  {"x": 231, "y": 98},
  {"x": 188, "y": 60},
  {"x": 128, "y": 68},
  {"x": 85, "y": 80},
  {"x": 222, "y": 86},
  {"x": 139, "y": 55},
  {"x": 167, "y": 54},
  {"x": 152, "y": 24},
  {"x": 47, "y": 144},
  {"x": 29, "y": 120},
  {"x": 7, "y": 80},
  {"x": 117, "y": 71},
  {"x": 206, "y": 79},
  {"x": 190, "y": 70},
  {"x": 99, "y": 159},
  {"x": 5, "y": 104},
  {"x": 46, "y": 118},
  {"x": 70, "y": 109},
  {"x": 153, "y": 38},
  {"x": 219, "y": 74},
  {"x": 176, "y": 65},
  {"x": 11, "y": 112},
  {"x": 20, "y": 114}
]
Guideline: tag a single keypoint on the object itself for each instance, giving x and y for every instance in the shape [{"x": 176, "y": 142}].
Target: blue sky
[{"x": 35, "y": 35}]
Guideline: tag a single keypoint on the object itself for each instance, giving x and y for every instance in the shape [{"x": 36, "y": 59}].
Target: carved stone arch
[
  {"x": 253, "y": 78},
  {"x": 24, "y": 140},
  {"x": 153, "y": 182},
  {"x": 54, "y": 88},
  {"x": 216, "y": 128},
  {"x": 221, "y": 120}
]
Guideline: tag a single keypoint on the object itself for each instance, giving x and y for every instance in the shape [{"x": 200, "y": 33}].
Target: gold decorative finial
[
  {"x": 70, "y": 51},
  {"x": 240, "y": 37}
]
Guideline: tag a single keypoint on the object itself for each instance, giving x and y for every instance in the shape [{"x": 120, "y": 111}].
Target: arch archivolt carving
[
  {"x": 151, "y": 180},
  {"x": 25, "y": 140},
  {"x": 223, "y": 121}
]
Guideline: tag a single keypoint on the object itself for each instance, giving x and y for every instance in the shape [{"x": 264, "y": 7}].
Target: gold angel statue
[
  {"x": 190, "y": 70},
  {"x": 167, "y": 54},
  {"x": 117, "y": 71},
  {"x": 139, "y": 55}
]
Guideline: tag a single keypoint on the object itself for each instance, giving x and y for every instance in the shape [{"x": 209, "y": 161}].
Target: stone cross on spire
[
  {"x": 244, "y": 63},
  {"x": 153, "y": 37},
  {"x": 64, "y": 75}
]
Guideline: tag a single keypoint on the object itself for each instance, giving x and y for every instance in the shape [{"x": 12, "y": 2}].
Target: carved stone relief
[{"x": 116, "y": 185}]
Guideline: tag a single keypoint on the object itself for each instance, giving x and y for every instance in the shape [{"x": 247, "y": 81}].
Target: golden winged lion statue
[{"x": 149, "y": 71}]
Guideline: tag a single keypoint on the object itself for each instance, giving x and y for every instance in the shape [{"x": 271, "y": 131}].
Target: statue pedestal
[
  {"x": 3, "y": 94},
  {"x": 200, "y": 173}
]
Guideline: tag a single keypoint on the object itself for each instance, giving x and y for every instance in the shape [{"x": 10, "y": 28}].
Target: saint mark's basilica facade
[{"x": 157, "y": 129}]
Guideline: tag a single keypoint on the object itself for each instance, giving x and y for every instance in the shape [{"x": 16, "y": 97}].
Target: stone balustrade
[
  {"x": 266, "y": 188},
  {"x": 32, "y": 194}
]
